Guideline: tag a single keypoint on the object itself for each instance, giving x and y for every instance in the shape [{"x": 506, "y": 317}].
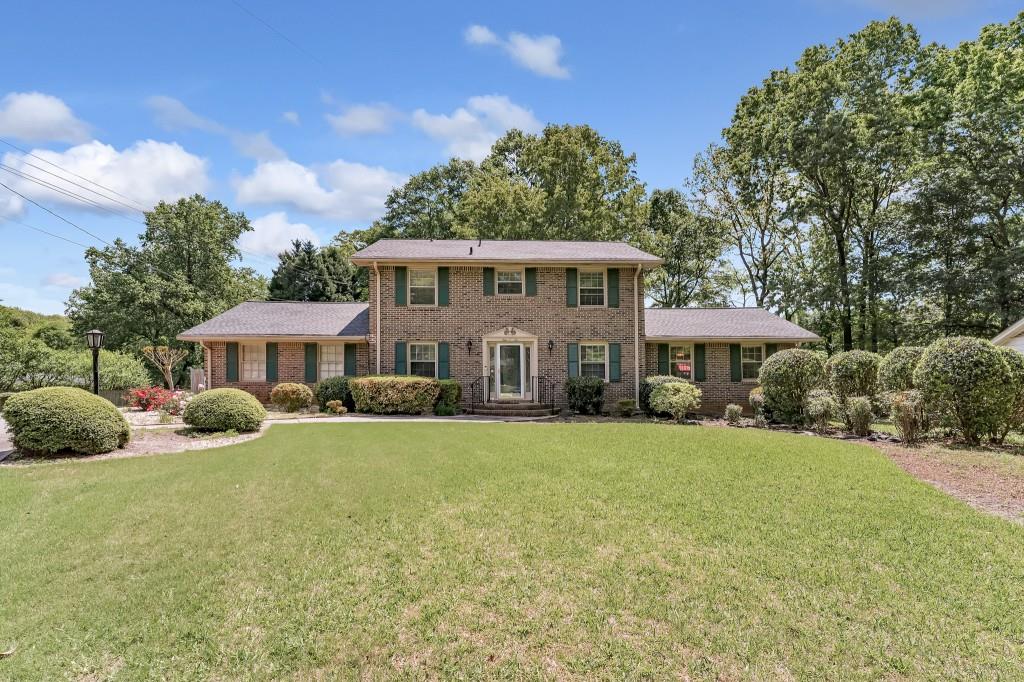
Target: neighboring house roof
[
  {"x": 1005, "y": 337},
  {"x": 496, "y": 251},
  {"x": 722, "y": 323},
  {"x": 294, "y": 319}
]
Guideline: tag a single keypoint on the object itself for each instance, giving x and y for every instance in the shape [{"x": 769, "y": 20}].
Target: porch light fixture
[
  {"x": 469, "y": 345},
  {"x": 94, "y": 340},
  {"x": 551, "y": 345}
]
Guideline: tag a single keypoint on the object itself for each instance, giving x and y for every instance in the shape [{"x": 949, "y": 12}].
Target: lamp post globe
[{"x": 94, "y": 340}]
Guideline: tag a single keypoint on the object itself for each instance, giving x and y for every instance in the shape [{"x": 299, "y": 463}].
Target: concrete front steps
[{"x": 513, "y": 408}]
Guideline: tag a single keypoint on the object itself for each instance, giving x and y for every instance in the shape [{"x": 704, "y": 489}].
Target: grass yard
[{"x": 504, "y": 550}]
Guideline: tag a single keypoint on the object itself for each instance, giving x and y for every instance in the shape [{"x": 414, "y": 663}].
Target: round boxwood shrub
[
  {"x": 854, "y": 372},
  {"x": 291, "y": 397},
  {"x": 334, "y": 388},
  {"x": 648, "y": 385},
  {"x": 224, "y": 409},
  {"x": 967, "y": 381},
  {"x": 584, "y": 395},
  {"x": 896, "y": 370},
  {"x": 57, "y": 419},
  {"x": 820, "y": 409},
  {"x": 787, "y": 377},
  {"x": 677, "y": 399}
]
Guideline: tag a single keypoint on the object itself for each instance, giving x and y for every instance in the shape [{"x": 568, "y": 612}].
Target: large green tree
[
  {"x": 308, "y": 273},
  {"x": 181, "y": 273}
]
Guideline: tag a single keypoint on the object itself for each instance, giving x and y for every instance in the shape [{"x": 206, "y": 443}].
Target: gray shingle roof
[
  {"x": 487, "y": 250},
  {"x": 722, "y": 323},
  {"x": 285, "y": 318}
]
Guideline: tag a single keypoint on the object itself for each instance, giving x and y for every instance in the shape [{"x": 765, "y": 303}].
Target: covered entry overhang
[{"x": 509, "y": 362}]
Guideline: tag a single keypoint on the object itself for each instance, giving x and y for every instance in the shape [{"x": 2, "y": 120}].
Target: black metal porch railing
[{"x": 481, "y": 389}]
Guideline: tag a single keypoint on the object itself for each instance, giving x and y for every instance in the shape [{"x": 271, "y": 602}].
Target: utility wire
[
  {"x": 56, "y": 215},
  {"x": 68, "y": 193},
  {"x": 281, "y": 34},
  {"x": 51, "y": 234}
]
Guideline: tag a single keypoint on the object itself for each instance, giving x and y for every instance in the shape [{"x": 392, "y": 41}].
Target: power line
[
  {"x": 57, "y": 215},
  {"x": 280, "y": 34},
  {"x": 51, "y": 234},
  {"x": 87, "y": 189},
  {"x": 66, "y": 192}
]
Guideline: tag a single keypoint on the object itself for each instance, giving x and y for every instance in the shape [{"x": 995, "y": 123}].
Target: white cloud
[
  {"x": 540, "y": 54},
  {"x": 342, "y": 189},
  {"x": 363, "y": 119},
  {"x": 291, "y": 117},
  {"x": 480, "y": 35},
  {"x": 63, "y": 280},
  {"x": 172, "y": 114},
  {"x": 471, "y": 130},
  {"x": 147, "y": 171},
  {"x": 11, "y": 205},
  {"x": 273, "y": 234},
  {"x": 35, "y": 117}
]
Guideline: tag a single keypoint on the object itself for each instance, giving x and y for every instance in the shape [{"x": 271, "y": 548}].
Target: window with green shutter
[
  {"x": 488, "y": 281},
  {"x": 443, "y": 371},
  {"x": 574, "y": 359},
  {"x": 442, "y": 286},
  {"x": 231, "y": 361},
  {"x": 614, "y": 362},
  {"x": 310, "y": 357},
  {"x": 571, "y": 294},
  {"x": 401, "y": 285},
  {"x": 271, "y": 362},
  {"x": 351, "y": 354},
  {"x": 700, "y": 372},
  {"x": 663, "y": 359},
  {"x": 613, "y": 288},
  {"x": 735, "y": 362},
  {"x": 531, "y": 281},
  {"x": 400, "y": 362}
]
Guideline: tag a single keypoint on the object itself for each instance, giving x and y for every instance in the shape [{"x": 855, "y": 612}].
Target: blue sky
[{"x": 306, "y": 123}]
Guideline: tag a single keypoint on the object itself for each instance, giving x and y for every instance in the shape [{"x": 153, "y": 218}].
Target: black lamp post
[{"x": 94, "y": 340}]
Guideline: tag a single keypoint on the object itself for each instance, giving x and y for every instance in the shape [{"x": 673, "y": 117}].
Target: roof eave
[
  {"x": 719, "y": 339},
  {"x": 645, "y": 263},
  {"x": 271, "y": 337}
]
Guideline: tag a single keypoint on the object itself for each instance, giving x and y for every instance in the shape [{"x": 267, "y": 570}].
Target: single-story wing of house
[{"x": 1012, "y": 336}]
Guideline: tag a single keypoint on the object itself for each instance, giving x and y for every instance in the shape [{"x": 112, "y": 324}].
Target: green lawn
[{"x": 504, "y": 550}]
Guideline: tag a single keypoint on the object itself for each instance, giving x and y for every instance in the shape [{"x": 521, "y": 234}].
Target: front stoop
[{"x": 513, "y": 408}]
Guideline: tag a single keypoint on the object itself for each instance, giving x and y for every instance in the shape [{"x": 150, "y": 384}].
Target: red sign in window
[{"x": 683, "y": 367}]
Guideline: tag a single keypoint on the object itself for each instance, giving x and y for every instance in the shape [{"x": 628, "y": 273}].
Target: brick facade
[{"x": 470, "y": 316}]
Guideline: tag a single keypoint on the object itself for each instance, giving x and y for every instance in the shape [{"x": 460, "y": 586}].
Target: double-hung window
[
  {"x": 423, "y": 359},
  {"x": 254, "y": 362},
  {"x": 591, "y": 284},
  {"x": 332, "y": 360},
  {"x": 751, "y": 357},
  {"x": 510, "y": 282},
  {"x": 681, "y": 361},
  {"x": 594, "y": 360},
  {"x": 422, "y": 287}
]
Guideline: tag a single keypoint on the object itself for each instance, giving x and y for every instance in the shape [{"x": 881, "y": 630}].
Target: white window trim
[
  {"x": 522, "y": 282},
  {"x": 763, "y": 358},
  {"x": 242, "y": 362},
  {"x": 579, "y": 287},
  {"x": 319, "y": 360},
  {"x": 408, "y": 355},
  {"x": 607, "y": 357},
  {"x": 408, "y": 288},
  {"x": 693, "y": 360}
]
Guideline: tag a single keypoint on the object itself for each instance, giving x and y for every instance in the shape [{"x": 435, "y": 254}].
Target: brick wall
[
  {"x": 718, "y": 390},
  {"x": 470, "y": 316},
  {"x": 291, "y": 367}
]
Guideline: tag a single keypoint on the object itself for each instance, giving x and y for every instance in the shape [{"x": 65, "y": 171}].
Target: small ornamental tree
[
  {"x": 896, "y": 370},
  {"x": 166, "y": 359},
  {"x": 787, "y": 377},
  {"x": 967, "y": 381}
]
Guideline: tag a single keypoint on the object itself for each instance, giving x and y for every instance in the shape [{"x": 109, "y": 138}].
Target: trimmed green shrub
[
  {"x": 1014, "y": 419},
  {"x": 448, "y": 398},
  {"x": 333, "y": 388},
  {"x": 896, "y": 370},
  {"x": 224, "y": 409},
  {"x": 854, "y": 372},
  {"x": 585, "y": 395},
  {"x": 908, "y": 415},
  {"x": 395, "y": 394},
  {"x": 787, "y": 377},
  {"x": 291, "y": 397},
  {"x": 677, "y": 399},
  {"x": 967, "y": 381},
  {"x": 820, "y": 408},
  {"x": 57, "y": 419},
  {"x": 626, "y": 407},
  {"x": 733, "y": 413},
  {"x": 651, "y": 383},
  {"x": 859, "y": 415}
]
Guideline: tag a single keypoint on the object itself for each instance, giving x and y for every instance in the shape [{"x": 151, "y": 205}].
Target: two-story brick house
[{"x": 509, "y": 320}]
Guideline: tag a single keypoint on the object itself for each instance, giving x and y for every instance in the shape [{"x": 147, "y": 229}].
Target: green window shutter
[
  {"x": 570, "y": 287},
  {"x": 700, "y": 372},
  {"x": 531, "y": 281},
  {"x": 351, "y": 353},
  {"x": 574, "y": 359},
  {"x": 613, "y": 287},
  {"x": 401, "y": 285},
  {"x": 271, "y": 362},
  {"x": 488, "y": 281},
  {"x": 231, "y": 354},
  {"x": 400, "y": 357},
  {"x": 442, "y": 360},
  {"x": 662, "y": 359},
  {"x": 614, "y": 362},
  {"x": 770, "y": 348},
  {"x": 735, "y": 363},
  {"x": 311, "y": 358},
  {"x": 442, "y": 286}
]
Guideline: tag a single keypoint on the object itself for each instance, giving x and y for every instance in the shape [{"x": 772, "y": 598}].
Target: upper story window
[
  {"x": 591, "y": 284},
  {"x": 681, "y": 361},
  {"x": 510, "y": 282},
  {"x": 332, "y": 360},
  {"x": 422, "y": 287},
  {"x": 254, "y": 362},
  {"x": 423, "y": 359},
  {"x": 752, "y": 357},
  {"x": 594, "y": 360}
]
